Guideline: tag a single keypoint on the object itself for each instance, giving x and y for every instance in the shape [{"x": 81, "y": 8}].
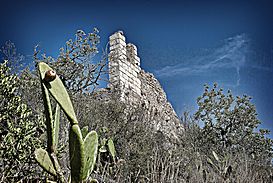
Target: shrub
[{"x": 19, "y": 131}]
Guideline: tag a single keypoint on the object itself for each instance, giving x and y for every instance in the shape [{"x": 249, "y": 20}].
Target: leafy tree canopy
[{"x": 231, "y": 124}]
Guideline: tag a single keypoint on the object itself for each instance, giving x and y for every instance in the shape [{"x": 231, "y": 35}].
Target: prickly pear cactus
[
  {"x": 84, "y": 131},
  {"x": 58, "y": 92},
  {"x": 91, "y": 144},
  {"x": 111, "y": 148},
  {"x": 82, "y": 149},
  {"x": 56, "y": 125},
  {"x": 44, "y": 161},
  {"x": 76, "y": 153}
]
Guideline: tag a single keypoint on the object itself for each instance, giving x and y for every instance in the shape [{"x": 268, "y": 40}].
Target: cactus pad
[
  {"x": 44, "y": 161},
  {"x": 59, "y": 93},
  {"x": 91, "y": 148},
  {"x": 76, "y": 153}
]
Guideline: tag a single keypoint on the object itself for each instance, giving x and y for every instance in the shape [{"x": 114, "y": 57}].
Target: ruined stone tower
[
  {"x": 124, "y": 66},
  {"x": 137, "y": 87}
]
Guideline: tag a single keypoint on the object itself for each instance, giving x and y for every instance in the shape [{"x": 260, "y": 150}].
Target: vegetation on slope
[{"x": 222, "y": 141}]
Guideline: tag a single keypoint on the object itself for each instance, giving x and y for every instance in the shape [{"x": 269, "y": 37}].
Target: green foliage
[
  {"x": 19, "y": 131},
  {"x": 15, "y": 59},
  {"x": 91, "y": 149},
  {"x": 130, "y": 130},
  {"x": 106, "y": 152},
  {"x": 74, "y": 64},
  {"x": 58, "y": 92},
  {"x": 76, "y": 153},
  {"x": 140, "y": 158},
  {"x": 230, "y": 124},
  {"x": 111, "y": 148},
  {"x": 203, "y": 157},
  {"x": 84, "y": 131},
  {"x": 82, "y": 152},
  {"x": 57, "y": 124},
  {"x": 228, "y": 147},
  {"x": 44, "y": 161}
]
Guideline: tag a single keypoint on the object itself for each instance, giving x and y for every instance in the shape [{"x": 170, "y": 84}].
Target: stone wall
[
  {"x": 161, "y": 114},
  {"x": 124, "y": 65},
  {"x": 139, "y": 88}
]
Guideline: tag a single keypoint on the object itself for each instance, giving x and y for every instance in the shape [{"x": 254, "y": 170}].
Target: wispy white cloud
[{"x": 231, "y": 54}]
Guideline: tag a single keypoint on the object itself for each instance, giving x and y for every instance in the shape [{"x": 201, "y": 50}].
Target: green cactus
[
  {"x": 44, "y": 161},
  {"x": 76, "y": 153},
  {"x": 84, "y": 131},
  {"x": 102, "y": 148},
  {"x": 58, "y": 92},
  {"x": 56, "y": 125},
  {"x": 106, "y": 152},
  {"x": 91, "y": 143},
  {"x": 83, "y": 153},
  {"x": 111, "y": 148},
  {"x": 49, "y": 120},
  {"x": 106, "y": 143}
]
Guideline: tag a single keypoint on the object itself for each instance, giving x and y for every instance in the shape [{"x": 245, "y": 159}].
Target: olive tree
[{"x": 230, "y": 124}]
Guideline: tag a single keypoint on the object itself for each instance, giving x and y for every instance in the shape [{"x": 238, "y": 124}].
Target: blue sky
[{"x": 185, "y": 44}]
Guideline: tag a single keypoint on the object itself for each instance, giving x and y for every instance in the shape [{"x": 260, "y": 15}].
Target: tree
[
  {"x": 19, "y": 131},
  {"x": 75, "y": 66},
  {"x": 230, "y": 125},
  {"x": 16, "y": 60}
]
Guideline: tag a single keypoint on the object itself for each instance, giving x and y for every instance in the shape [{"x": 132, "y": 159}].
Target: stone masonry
[
  {"x": 140, "y": 88},
  {"x": 124, "y": 65}
]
